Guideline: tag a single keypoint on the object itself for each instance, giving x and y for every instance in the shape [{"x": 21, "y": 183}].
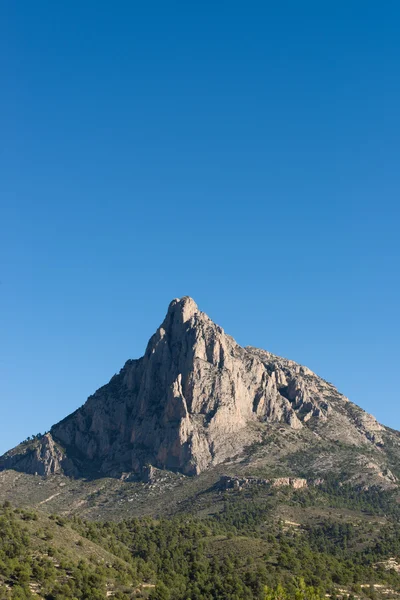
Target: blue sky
[{"x": 246, "y": 154}]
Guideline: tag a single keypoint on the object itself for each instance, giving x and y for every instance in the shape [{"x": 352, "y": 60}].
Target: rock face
[
  {"x": 188, "y": 402},
  {"x": 227, "y": 482},
  {"x": 195, "y": 399},
  {"x": 41, "y": 457}
]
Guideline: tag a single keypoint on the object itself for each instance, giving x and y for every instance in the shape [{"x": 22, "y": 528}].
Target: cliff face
[
  {"x": 188, "y": 402},
  {"x": 197, "y": 398},
  {"x": 39, "y": 457}
]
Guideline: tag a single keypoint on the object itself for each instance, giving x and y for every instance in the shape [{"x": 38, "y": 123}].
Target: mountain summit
[{"x": 196, "y": 399}]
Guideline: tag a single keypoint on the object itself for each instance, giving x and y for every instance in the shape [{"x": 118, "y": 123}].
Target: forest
[{"x": 244, "y": 551}]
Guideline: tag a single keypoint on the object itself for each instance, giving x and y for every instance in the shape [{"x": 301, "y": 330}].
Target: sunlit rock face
[{"x": 195, "y": 399}]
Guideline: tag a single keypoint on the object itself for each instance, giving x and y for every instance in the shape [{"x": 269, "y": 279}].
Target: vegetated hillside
[{"x": 252, "y": 542}]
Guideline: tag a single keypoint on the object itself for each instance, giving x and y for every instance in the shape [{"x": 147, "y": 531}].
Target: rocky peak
[
  {"x": 182, "y": 309},
  {"x": 195, "y": 399}
]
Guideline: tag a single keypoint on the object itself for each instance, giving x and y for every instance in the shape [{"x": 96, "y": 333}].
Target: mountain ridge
[{"x": 195, "y": 400}]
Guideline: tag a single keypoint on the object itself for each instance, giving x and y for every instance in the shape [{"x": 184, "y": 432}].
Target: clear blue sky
[{"x": 243, "y": 153}]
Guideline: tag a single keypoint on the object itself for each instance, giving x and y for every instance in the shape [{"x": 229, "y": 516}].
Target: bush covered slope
[{"x": 258, "y": 544}]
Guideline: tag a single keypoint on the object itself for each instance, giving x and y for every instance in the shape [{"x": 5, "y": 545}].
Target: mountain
[{"x": 197, "y": 400}]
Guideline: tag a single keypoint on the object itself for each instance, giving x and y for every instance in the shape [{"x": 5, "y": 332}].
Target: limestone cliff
[
  {"x": 38, "y": 457},
  {"x": 195, "y": 399},
  {"x": 188, "y": 402}
]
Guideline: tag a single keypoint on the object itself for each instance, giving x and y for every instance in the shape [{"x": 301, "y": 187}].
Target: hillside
[{"x": 255, "y": 543}]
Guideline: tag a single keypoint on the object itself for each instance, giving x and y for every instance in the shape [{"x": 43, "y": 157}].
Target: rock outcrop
[
  {"x": 39, "y": 457},
  {"x": 195, "y": 399},
  {"x": 228, "y": 482}
]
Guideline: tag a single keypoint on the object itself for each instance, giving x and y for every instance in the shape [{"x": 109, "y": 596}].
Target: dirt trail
[{"x": 48, "y": 499}]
